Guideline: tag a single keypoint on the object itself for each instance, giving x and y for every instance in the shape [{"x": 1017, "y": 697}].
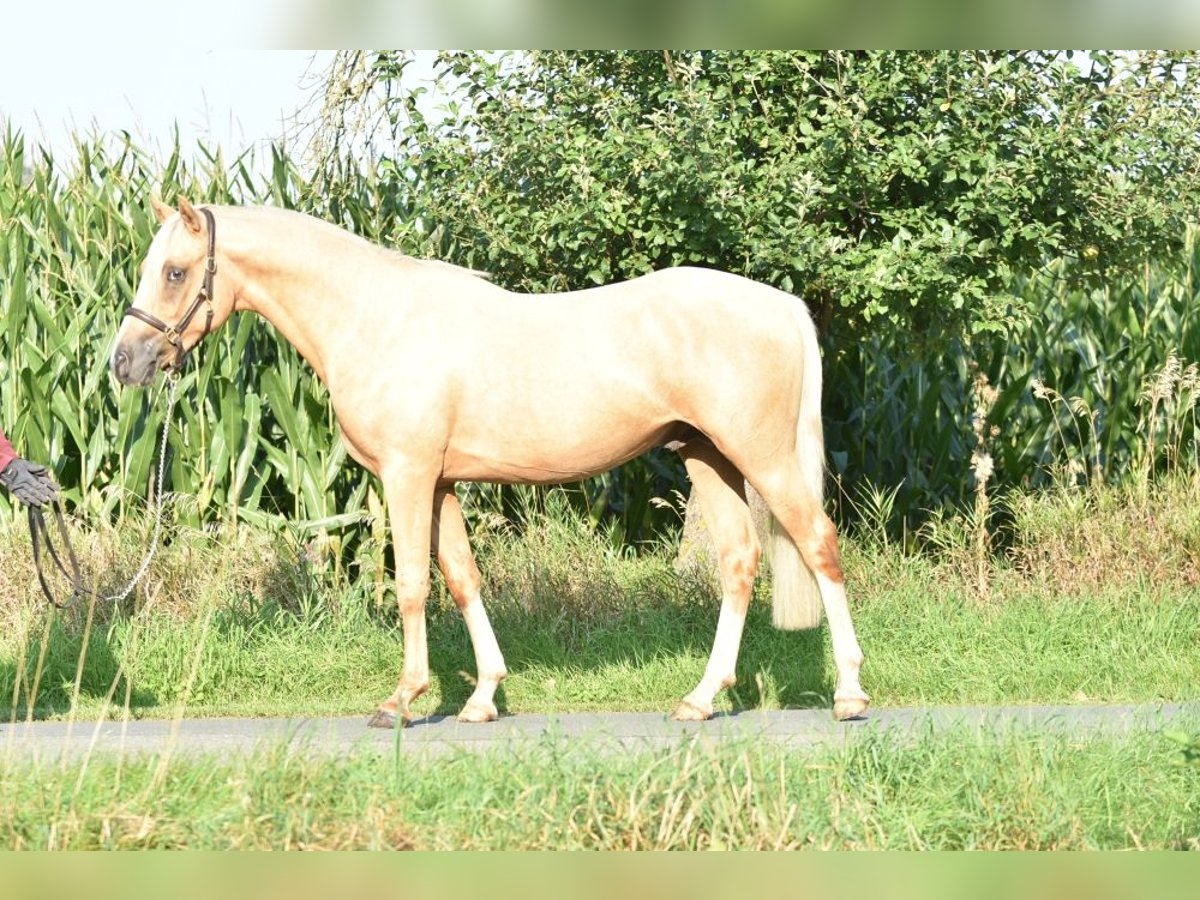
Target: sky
[{"x": 234, "y": 98}]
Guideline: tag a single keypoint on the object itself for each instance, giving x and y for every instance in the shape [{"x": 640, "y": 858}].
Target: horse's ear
[
  {"x": 190, "y": 217},
  {"x": 161, "y": 210}
]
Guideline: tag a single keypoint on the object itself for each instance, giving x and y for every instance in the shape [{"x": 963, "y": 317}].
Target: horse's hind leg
[
  {"x": 727, "y": 516},
  {"x": 815, "y": 536},
  {"x": 454, "y": 557}
]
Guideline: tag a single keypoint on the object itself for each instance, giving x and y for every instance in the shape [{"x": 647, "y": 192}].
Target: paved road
[{"x": 620, "y": 732}]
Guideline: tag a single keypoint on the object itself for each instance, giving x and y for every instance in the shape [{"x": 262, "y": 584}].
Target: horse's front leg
[{"x": 409, "y": 491}]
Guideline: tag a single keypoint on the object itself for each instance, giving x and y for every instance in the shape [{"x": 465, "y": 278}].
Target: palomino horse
[{"x": 438, "y": 376}]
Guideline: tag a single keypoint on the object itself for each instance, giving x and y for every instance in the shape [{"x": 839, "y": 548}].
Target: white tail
[{"x": 796, "y": 598}]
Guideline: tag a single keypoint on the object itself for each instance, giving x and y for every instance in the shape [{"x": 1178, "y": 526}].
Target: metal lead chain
[{"x": 158, "y": 511}]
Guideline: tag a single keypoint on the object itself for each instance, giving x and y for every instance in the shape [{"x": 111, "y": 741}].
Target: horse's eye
[{"x": 174, "y": 275}]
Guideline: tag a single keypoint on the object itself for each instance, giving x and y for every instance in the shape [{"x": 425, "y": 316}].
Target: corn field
[
  {"x": 253, "y": 438},
  {"x": 255, "y": 442},
  {"x": 1097, "y": 386}
]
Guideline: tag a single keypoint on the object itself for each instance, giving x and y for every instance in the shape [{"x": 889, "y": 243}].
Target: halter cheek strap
[{"x": 174, "y": 333}]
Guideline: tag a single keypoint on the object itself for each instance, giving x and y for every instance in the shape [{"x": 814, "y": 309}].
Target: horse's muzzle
[{"x": 135, "y": 363}]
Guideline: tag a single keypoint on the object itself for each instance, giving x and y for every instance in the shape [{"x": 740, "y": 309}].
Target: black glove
[{"x": 29, "y": 482}]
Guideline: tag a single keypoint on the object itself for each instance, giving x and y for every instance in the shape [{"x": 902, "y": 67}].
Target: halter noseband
[{"x": 174, "y": 333}]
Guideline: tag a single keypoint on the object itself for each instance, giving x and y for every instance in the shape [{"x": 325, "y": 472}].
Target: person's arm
[{"x": 7, "y": 454}]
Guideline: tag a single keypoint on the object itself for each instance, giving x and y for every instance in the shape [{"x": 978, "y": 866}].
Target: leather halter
[{"x": 174, "y": 333}]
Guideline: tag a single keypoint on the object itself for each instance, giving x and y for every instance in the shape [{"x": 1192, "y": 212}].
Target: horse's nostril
[{"x": 121, "y": 363}]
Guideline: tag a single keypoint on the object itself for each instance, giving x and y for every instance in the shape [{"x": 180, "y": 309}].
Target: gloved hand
[{"x": 30, "y": 483}]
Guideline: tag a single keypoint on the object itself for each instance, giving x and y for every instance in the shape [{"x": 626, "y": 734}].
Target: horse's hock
[{"x": 695, "y": 553}]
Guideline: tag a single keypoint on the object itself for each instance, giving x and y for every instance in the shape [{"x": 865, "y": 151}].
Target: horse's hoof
[
  {"x": 850, "y": 707},
  {"x": 384, "y": 718},
  {"x": 477, "y": 712},
  {"x": 687, "y": 711}
]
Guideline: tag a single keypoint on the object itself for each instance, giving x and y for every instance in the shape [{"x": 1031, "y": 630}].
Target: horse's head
[{"x": 179, "y": 299}]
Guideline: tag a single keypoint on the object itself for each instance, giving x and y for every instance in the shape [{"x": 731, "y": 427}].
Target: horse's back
[{"x": 672, "y": 310}]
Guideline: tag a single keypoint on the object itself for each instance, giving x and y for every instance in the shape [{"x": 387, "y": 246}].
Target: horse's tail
[{"x": 796, "y": 598}]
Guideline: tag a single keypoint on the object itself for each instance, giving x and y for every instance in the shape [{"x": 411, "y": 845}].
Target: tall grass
[
  {"x": 1087, "y": 602},
  {"x": 953, "y": 790}
]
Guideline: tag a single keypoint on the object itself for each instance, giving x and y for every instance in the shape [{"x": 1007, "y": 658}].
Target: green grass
[
  {"x": 1089, "y": 595},
  {"x": 243, "y": 624},
  {"x": 953, "y": 790}
]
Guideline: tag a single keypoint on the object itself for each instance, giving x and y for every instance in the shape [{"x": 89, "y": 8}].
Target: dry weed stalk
[
  {"x": 1089, "y": 463},
  {"x": 983, "y": 468},
  {"x": 1172, "y": 393}
]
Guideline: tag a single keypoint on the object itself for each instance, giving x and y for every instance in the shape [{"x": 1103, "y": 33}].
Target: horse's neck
[{"x": 299, "y": 275}]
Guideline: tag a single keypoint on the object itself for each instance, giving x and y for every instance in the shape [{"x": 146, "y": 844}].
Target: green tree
[{"x": 898, "y": 190}]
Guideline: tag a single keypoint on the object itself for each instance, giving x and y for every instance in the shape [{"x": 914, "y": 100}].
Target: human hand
[{"x": 29, "y": 482}]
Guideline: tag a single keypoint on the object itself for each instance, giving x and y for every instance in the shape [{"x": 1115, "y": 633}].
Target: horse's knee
[{"x": 412, "y": 587}]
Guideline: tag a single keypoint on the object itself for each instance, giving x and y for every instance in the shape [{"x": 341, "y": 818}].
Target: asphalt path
[{"x": 616, "y": 732}]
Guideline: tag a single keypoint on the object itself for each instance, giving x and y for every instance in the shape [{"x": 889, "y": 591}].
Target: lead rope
[{"x": 158, "y": 510}]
